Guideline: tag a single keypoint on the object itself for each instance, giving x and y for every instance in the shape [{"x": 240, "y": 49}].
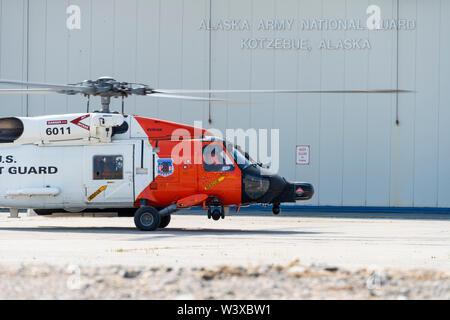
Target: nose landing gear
[{"x": 216, "y": 214}]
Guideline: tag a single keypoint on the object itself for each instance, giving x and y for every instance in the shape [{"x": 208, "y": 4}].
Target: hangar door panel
[{"x": 108, "y": 174}]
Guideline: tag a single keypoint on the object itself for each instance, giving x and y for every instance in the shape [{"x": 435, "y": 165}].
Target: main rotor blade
[
  {"x": 188, "y": 91},
  {"x": 43, "y": 85},
  {"x": 27, "y": 91},
  {"x": 162, "y": 95}
]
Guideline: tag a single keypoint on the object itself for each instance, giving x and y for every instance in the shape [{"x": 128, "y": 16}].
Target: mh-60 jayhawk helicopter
[{"x": 107, "y": 161}]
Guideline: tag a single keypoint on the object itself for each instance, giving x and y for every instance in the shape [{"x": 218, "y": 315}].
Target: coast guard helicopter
[{"x": 108, "y": 161}]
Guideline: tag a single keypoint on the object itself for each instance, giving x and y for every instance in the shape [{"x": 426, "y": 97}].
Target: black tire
[
  {"x": 216, "y": 214},
  {"x": 165, "y": 220},
  {"x": 209, "y": 213},
  {"x": 276, "y": 210},
  {"x": 147, "y": 219}
]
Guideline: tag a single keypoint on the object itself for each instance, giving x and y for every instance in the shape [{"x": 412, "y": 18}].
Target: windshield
[
  {"x": 242, "y": 159},
  {"x": 246, "y": 155}
]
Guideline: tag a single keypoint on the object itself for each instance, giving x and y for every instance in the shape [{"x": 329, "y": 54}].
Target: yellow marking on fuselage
[
  {"x": 212, "y": 184},
  {"x": 96, "y": 193}
]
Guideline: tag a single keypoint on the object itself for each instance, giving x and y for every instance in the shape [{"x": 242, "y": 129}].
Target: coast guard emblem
[{"x": 165, "y": 167}]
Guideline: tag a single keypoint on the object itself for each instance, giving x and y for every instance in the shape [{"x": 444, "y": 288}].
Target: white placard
[{"x": 302, "y": 155}]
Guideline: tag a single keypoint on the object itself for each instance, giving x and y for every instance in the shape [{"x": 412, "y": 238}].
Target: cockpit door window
[{"x": 216, "y": 159}]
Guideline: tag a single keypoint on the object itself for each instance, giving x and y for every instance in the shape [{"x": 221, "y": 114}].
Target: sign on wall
[{"x": 302, "y": 155}]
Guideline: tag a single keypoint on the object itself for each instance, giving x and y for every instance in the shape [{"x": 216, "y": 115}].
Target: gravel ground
[{"x": 292, "y": 281}]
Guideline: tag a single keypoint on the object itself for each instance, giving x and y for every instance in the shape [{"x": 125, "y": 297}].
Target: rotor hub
[{"x": 107, "y": 88}]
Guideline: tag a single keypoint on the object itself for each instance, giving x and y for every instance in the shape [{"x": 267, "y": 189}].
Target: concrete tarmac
[{"x": 402, "y": 241}]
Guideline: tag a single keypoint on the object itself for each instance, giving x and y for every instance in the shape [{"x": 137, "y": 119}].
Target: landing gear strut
[{"x": 13, "y": 213}]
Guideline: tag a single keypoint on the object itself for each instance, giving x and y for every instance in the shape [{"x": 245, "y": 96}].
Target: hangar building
[{"x": 360, "y": 150}]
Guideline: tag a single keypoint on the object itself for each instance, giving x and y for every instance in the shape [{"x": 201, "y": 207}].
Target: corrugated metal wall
[{"x": 359, "y": 156}]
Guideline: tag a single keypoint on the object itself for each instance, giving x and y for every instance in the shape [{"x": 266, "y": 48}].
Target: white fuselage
[{"x": 59, "y": 163}]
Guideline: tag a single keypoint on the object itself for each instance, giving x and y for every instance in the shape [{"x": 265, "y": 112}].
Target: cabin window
[
  {"x": 215, "y": 159},
  {"x": 108, "y": 167}
]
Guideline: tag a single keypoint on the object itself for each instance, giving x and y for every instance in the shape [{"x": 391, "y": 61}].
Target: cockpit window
[
  {"x": 215, "y": 159},
  {"x": 242, "y": 159},
  {"x": 108, "y": 167}
]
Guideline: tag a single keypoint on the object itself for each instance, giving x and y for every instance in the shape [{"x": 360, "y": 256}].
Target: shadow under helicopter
[{"x": 160, "y": 233}]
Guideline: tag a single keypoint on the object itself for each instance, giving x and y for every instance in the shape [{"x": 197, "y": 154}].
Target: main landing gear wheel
[
  {"x": 165, "y": 220},
  {"x": 147, "y": 219}
]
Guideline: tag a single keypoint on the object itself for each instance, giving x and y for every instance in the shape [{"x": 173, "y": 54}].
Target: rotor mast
[{"x": 106, "y": 101}]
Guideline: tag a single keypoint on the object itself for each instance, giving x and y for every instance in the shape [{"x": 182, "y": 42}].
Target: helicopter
[{"x": 106, "y": 161}]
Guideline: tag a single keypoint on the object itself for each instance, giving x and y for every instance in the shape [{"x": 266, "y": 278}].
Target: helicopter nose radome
[
  {"x": 295, "y": 191},
  {"x": 303, "y": 191},
  {"x": 260, "y": 186}
]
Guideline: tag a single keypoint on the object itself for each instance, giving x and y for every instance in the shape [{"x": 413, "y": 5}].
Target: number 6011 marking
[{"x": 55, "y": 131}]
